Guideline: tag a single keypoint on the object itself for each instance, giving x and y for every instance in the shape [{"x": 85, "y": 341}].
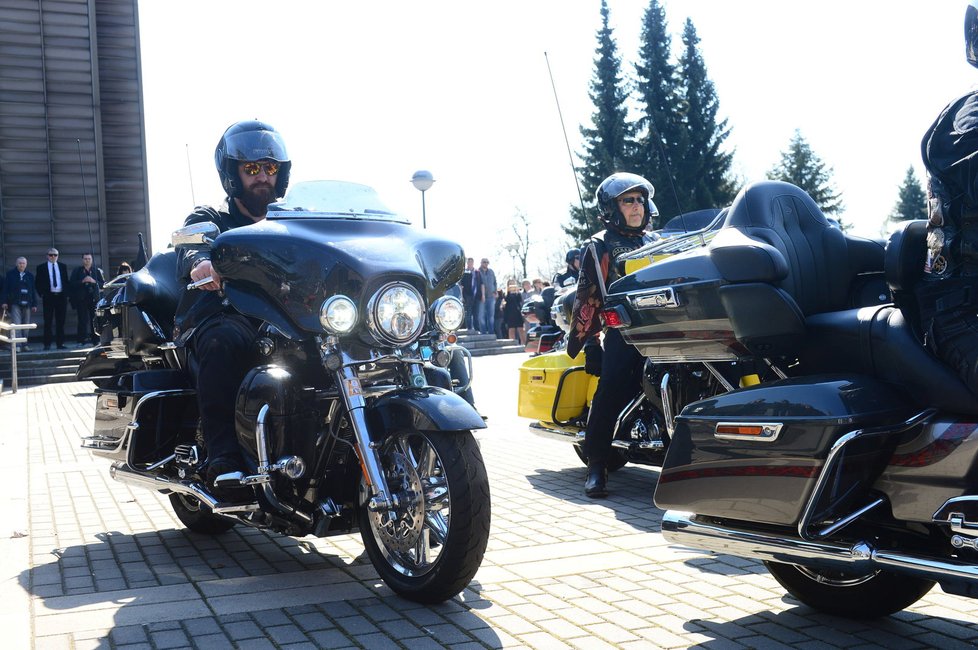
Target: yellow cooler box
[{"x": 543, "y": 377}]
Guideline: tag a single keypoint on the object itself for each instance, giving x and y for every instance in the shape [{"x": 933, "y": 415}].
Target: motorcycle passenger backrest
[
  {"x": 905, "y": 255},
  {"x": 782, "y": 215},
  {"x": 155, "y": 289}
]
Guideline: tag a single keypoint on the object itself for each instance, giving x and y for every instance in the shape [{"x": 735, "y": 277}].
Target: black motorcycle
[
  {"x": 853, "y": 477},
  {"x": 340, "y": 425}
]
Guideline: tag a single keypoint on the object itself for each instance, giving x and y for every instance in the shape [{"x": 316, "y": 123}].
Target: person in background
[
  {"x": 625, "y": 202},
  {"x": 468, "y": 294},
  {"x": 512, "y": 317},
  {"x": 568, "y": 276},
  {"x": 50, "y": 279},
  {"x": 486, "y": 296},
  {"x": 19, "y": 298},
  {"x": 499, "y": 325},
  {"x": 124, "y": 269},
  {"x": 85, "y": 283}
]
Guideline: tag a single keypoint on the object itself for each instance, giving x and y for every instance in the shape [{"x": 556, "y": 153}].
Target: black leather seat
[{"x": 798, "y": 265}]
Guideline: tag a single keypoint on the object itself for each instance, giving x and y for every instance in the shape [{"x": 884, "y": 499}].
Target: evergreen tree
[
  {"x": 911, "y": 201},
  {"x": 800, "y": 166},
  {"x": 705, "y": 170},
  {"x": 608, "y": 141},
  {"x": 663, "y": 137}
]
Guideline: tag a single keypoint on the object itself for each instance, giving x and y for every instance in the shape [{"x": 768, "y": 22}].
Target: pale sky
[{"x": 372, "y": 91}]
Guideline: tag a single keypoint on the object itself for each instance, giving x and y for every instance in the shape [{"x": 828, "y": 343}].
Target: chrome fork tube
[
  {"x": 667, "y": 405},
  {"x": 352, "y": 392}
]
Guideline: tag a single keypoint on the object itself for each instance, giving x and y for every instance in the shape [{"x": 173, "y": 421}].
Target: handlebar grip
[{"x": 200, "y": 283}]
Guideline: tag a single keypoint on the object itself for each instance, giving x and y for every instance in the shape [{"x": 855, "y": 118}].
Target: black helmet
[
  {"x": 613, "y": 187},
  {"x": 971, "y": 33},
  {"x": 572, "y": 255},
  {"x": 250, "y": 141}
]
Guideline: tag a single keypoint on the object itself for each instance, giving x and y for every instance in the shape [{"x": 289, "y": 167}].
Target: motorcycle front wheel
[
  {"x": 428, "y": 547},
  {"x": 850, "y": 595}
]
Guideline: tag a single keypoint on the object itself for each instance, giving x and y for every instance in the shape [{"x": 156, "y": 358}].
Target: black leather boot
[{"x": 596, "y": 485}]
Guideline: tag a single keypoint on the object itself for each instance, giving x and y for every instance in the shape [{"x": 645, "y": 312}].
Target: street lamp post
[{"x": 422, "y": 181}]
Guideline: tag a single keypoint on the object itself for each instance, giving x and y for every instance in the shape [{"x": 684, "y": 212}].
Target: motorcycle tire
[
  {"x": 429, "y": 547},
  {"x": 616, "y": 459},
  {"x": 197, "y": 518},
  {"x": 850, "y": 595}
]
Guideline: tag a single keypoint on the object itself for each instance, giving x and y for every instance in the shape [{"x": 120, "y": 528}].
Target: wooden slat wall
[{"x": 72, "y": 152}]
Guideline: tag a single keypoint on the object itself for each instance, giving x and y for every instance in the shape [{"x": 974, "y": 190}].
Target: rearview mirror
[{"x": 197, "y": 235}]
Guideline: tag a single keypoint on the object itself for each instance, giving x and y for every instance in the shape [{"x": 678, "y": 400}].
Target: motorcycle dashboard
[{"x": 332, "y": 200}]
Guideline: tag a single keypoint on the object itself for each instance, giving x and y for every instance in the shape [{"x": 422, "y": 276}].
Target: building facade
[{"x": 72, "y": 145}]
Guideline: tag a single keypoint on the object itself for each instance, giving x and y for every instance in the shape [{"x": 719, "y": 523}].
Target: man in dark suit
[
  {"x": 84, "y": 285},
  {"x": 52, "y": 285},
  {"x": 468, "y": 293}
]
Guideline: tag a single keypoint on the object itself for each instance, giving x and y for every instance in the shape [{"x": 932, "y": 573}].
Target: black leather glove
[{"x": 592, "y": 359}]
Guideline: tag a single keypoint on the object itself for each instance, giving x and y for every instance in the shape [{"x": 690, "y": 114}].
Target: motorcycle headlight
[
  {"x": 395, "y": 314},
  {"x": 448, "y": 314},
  {"x": 338, "y": 315}
]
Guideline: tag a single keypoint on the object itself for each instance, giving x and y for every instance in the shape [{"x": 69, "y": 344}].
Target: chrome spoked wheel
[
  {"x": 412, "y": 535},
  {"x": 429, "y": 545}
]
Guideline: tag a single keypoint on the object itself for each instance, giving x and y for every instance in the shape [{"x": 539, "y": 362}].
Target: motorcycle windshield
[
  {"x": 283, "y": 268},
  {"x": 338, "y": 199}
]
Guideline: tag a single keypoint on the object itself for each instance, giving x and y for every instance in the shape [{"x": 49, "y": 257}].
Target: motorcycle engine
[{"x": 278, "y": 388}]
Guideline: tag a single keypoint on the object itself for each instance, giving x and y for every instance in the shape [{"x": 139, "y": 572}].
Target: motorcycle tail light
[{"x": 615, "y": 317}]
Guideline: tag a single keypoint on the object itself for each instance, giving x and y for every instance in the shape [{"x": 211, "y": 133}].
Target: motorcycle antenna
[
  {"x": 665, "y": 162},
  {"x": 563, "y": 128},
  {"x": 193, "y": 197},
  {"x": 88, "y": 215}
]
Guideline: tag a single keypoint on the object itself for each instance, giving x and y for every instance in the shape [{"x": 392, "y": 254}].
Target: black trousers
[
  {"x": 222, "y": 351},
  {"x": 86, "y": 320},
  {"x": 620, "y": 381},
  {"x": 956, "y": 338},
  {"x": 55, "y": 311}
]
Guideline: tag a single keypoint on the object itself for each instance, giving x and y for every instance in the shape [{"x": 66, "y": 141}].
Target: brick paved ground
[{"x": 90, "y": 563}]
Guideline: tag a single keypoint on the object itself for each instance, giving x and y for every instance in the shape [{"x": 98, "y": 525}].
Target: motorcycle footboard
[{"x": 758, "y": 454}]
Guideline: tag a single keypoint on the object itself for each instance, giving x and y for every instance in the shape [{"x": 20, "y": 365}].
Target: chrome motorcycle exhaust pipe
[
  {"x": 124, "y": 474},
  {"x": 685, "y": 529}
]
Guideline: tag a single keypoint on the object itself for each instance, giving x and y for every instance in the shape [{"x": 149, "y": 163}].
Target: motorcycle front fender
[{"x": 423, "y": 409}]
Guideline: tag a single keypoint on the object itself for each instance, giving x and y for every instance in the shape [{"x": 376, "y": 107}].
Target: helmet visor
[{"x": 256, "y": 145}]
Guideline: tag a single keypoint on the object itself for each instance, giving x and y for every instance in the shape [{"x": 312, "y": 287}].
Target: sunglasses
[
  {"x": 628, "y": 200},
  {"x": 253, "y": 168},
  {"x": 52, "y": 254}
]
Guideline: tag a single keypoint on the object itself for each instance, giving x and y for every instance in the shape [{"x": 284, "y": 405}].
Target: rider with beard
[
  {"x": 254, "y": 169},
  {"x": 625, "y": 202},
  {"x": 948, "y": 296}
]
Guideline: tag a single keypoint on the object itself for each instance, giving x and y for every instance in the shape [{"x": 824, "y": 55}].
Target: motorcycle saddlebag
[
  {"x": 143, "y": 416},
  {"x": 718, "y": 465},
  {"x": 554, "y": 387}
]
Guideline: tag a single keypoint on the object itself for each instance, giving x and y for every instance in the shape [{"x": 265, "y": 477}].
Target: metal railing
[{"x": 13, "y": 340}]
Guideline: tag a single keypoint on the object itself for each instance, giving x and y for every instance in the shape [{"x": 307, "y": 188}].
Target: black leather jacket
[{"x": 195, "y": 306}]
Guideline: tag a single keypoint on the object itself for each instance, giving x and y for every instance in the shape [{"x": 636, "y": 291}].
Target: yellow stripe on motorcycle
[{"x": 633, "y": 265}]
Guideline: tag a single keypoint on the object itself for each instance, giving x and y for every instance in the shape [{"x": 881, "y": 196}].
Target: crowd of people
[
  {"x": 490, "y": 309},
  {"x": 57, "y": 289}
]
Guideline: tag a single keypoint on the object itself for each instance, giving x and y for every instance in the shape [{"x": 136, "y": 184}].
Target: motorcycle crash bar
[{"x": 692, "y": 531}]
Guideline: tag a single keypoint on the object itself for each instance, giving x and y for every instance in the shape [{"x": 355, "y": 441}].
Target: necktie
[{"x": 54, "y": 277}]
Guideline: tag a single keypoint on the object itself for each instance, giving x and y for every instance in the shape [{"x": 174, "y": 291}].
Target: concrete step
[{"x": 41, "y": 366}]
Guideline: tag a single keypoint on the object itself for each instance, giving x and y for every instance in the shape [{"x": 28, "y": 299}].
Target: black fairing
[{"x": 282, "y": 269}]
